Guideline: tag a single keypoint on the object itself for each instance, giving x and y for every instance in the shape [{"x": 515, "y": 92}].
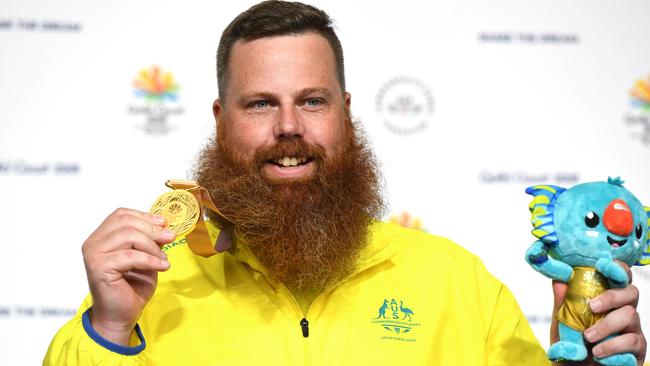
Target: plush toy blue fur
[{"x": 581, "y": 231}]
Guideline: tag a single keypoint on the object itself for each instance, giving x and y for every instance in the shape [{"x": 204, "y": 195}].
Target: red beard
[{"x": 307, "y": 231}]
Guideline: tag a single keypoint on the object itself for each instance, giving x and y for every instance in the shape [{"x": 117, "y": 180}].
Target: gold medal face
[{"x": 180, "y": 208}]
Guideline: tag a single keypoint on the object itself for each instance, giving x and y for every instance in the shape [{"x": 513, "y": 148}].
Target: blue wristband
[{"x": 117, "y": 348}]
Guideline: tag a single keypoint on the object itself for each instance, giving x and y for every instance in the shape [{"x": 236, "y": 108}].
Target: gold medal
[
  {"x": 180, "y": 208},
  {"x": 183, "y": 209}
]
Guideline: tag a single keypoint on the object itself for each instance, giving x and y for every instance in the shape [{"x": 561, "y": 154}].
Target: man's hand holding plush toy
[{"x": 588, "y": 236}]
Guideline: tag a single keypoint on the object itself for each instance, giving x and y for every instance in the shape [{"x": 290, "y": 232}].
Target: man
[{"x": 311, "y": 277}]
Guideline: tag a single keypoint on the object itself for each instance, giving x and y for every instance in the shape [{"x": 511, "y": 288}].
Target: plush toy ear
[
  {"x": 645, "y": 257},
  {"x": 541, "y": 209}
]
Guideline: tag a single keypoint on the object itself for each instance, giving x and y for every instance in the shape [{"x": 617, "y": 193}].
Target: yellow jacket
[{"x": 414, "y": 299}]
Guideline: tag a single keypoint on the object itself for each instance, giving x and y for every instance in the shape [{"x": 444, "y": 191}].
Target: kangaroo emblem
[
  {"x": 406, "y": 311},
  {"x": 382, "y": 310}
]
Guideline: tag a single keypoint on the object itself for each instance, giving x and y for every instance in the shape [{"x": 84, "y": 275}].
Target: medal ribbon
[{"x": 199, "y": 239}]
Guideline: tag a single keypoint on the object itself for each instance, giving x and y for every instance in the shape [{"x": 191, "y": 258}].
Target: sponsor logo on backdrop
[
  {"x": 24, "y": 167},
  {"x": 529, "y": 38},
  {"x": 539, "y": 318},
  {"x": 39, "y": 25},
  {"x": 638, "y": 117},
  {"x": 404, "y": 105},
  {"x": 407, "y": 220},
  {"x": 157, "y": 92},
  {"x": 22, "y": 311},
  {"x": 529, "y": 178}
]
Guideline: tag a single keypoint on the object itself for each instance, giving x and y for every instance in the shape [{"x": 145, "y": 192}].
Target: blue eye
[
  {"x": 313, "y": 102},
  {"x": 260, "y": 104}
]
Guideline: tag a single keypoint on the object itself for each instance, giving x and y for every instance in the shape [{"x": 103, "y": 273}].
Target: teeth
[{"x": 290, "y": 161}]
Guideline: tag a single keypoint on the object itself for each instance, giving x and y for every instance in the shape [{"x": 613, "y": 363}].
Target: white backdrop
[{"x": 466, "y": 102}]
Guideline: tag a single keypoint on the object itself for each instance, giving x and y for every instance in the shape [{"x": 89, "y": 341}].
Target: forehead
[
  {"x": 596, "y": 196},
  {"x": 281, "y": 63}
]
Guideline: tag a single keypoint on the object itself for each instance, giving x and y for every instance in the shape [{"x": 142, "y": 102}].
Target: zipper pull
[{"x": 304, "y": 324}]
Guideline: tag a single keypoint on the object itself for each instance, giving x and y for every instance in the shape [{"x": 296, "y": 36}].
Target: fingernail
[
  {"x": 596, "y": 305},
  {"x": 598, "y": 351},
  {"x": 157, "y": 219},
  {"x": 168, "y": 233},
  {"x": 164, "y": 263},
  {"x": 164, "y": 255},
  {"x": 590, "y": 334}
]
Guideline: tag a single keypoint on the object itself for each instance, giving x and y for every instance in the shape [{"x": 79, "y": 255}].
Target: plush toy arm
[
  {"x": 613, "y": 272},
  {"x": 538, "y": 258}
]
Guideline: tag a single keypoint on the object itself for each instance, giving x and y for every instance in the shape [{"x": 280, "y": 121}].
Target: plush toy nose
[{"x": 618, "y": 218}]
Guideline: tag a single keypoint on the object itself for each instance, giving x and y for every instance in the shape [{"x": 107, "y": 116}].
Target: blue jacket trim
[{"x": 117, "y": 348}]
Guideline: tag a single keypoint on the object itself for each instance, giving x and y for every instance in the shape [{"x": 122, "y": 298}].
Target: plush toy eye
[
  {"x": 639, "y": 231},
  {"x": 592, "y": 219}
]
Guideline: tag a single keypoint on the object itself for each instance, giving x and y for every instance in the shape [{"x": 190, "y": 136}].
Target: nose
[
  {"x": 618, "y": 218},
  {"x": 288, "y": 124}
]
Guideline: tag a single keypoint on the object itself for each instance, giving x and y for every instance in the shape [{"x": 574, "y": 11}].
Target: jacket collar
[{"x": 378, "y": 250}]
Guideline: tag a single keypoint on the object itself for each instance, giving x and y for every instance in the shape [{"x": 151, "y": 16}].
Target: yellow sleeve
[
  {"x": 72, "y": 345},
  {"x": 510, "y": 340}
]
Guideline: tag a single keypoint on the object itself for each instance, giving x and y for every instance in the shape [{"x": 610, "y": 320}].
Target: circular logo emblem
[
  {"x": 180, "y": 208},
  {"x": 405, "y": 105}
]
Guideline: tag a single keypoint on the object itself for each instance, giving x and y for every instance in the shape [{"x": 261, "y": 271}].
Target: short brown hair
[{"x": 275, "y": 18}]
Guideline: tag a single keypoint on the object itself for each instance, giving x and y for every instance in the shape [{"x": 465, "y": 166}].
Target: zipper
[
  {"x": 317, "y": 303},
  {"x": 304, "y": 324}
]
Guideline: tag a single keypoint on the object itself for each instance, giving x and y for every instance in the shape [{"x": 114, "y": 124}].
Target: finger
[
  {"x": 624, "y": 319},
  {"x": 629, "y": 342},
  {"x": 626, "y": 268},
  {"x": 559, "y": 293},
  {"x": 130, "y": 259},
  {"x": 129, "y": 222},
  {"x": 127, "y": 238},
  {"x": 615, "y": 298},
  {"x": 138, "y": 221},
  {"x": 555, "y": 335},
  {"x": 146, "y": 222},
  {"x": 146, "y": 216},
  {"x": 142, "y": 276},
  {"x": 154, "y": 219}
]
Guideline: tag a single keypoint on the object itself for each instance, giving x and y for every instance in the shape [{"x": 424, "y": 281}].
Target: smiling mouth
[
  {"x": 290, "y": 161},
  {"x": 616, "y": 243}
]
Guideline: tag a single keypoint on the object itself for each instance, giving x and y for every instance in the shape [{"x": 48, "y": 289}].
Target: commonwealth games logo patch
[{"x": 397, "y": 320}]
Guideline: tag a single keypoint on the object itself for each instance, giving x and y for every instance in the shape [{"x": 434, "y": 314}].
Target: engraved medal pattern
[{"x": 180, "y": 208}]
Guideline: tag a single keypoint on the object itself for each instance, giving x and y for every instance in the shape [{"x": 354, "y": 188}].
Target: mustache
[
  {"x": 290, "y": 147},
  {"x": 305, "y": 232}
]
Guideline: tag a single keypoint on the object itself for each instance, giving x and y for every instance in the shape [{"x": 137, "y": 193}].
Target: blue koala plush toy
[{"x": 581, "y": 231}]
